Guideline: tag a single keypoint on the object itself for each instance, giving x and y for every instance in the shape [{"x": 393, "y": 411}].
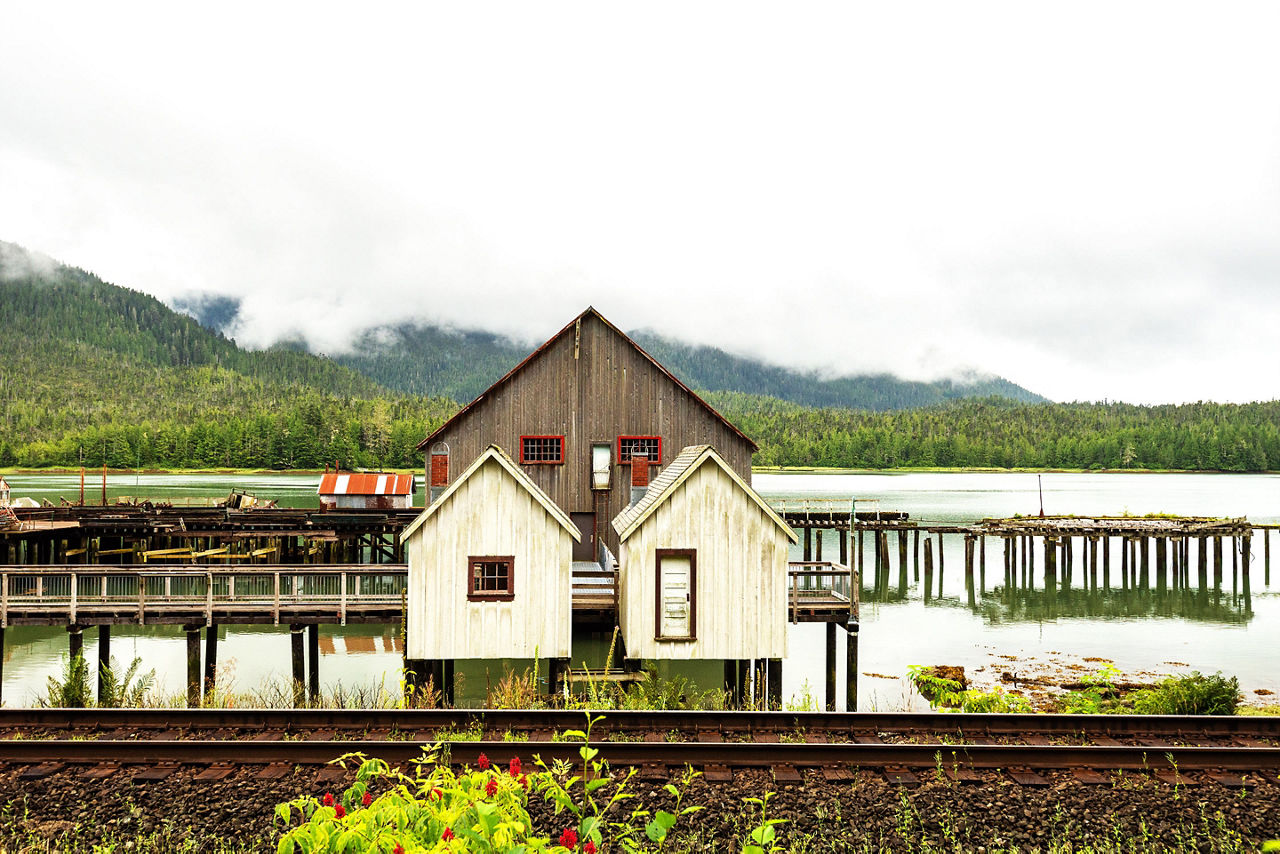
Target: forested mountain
[
  {"x": 1003, "y": 434},
  {"x": 90, "y": 372},
  {"x": 423, "y": 359}
]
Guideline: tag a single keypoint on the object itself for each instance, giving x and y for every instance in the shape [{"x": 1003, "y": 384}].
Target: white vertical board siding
[
  {"x": 490, "y": 514},
  {"x": 741, "y": 573}
]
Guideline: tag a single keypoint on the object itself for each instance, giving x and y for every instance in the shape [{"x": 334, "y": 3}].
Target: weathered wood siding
[
  {"x": 489, "y": 514},
  {"x": 741, "y": 577},
  {"x": 609, "y": 390}
]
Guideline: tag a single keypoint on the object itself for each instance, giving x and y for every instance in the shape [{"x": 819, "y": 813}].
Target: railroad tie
[
  {"x": 214, "y": 773},
  {"x": 275, "y": 771},
  {"x": 1227, "y": 779},
  {"x": 787, "y": 774},
  {"x": 901, "y": 777},
  {"x": 1174, "y": 777},
  {"x": 1088, "y": 777},
  {"x": 717, "y": 774},
  {"x": 1027, "y": 777},
  {"x": 39, "y": 772},
  {"x": 154, "y": 773}
]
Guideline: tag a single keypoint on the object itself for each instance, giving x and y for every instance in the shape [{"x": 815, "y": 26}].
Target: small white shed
[
  {"x": 703, "y": 566},
  {"x": 490, "y": 568}
]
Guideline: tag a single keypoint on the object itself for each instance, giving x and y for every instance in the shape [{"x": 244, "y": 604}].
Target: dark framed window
[
  {"x": 542, "y": 450},
  {"x": 491, "y": 578},
  {"x": 650, "y": 446}
]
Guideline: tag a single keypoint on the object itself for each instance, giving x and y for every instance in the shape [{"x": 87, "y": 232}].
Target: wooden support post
[
  {"x": 730, "y": 680},
  {"x": 1266, "y": 556},
  {"x": 902, "y": 563},
  {"x": 808, "y": 544},
  {"x": 775, "y": 683},
  {"x": 193, "y": 666},
  {"x": 968, "y": 569},
  {"x": 1106, "y": 563},
  {"x": 861, "y": 555},
  {"x": 1124, "y": 563},
  {"x": 1050, "y": 567},
  {"x": 1162, "y": 565},
  {"x": 844, "y": 547},
  {"x": 916, "y": 548},
  {"x": 210, "y": 658},
  {"x": 982, "y": 565},
  {"x": 1144, "y": 548},
  {"x": 1217, "y": 566},
  {"x": 1202, "y": 564},
  {"x": 1245, "y": 546},
  {"x": 851, "y": 661},
  {"x": 831, "y": 667},
  {"x": 817, "y": 545},
  {"x": 446, "y": 682},
  {"x": 104, "y": 661},
  {"x": 75, "y": 639},
  {"x": 313, "y": 662},
  {"x": 758, "y": 687},
  {"x": 297, "y": 645},
  {"x": 928, "y": 569}
]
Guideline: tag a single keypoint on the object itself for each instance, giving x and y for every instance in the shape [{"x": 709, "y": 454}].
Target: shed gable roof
[
  {"x": 664, "y": 486},
  {"x": 590, "y": 311},
  {"x": 493, "y": 452}
]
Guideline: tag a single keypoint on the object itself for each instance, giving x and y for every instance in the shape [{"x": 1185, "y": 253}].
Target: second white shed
[
  {"x": 490, "y": 568},
  {"x": 703, "y": 566}
]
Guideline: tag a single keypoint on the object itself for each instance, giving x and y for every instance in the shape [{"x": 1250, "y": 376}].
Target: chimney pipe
[{"x": 639, "y": 476}]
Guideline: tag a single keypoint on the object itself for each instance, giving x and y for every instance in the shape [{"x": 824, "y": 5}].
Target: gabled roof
[
  {"x": 664, "y": 485},
  {"x": 377, "y": 483},
  {"x": 547, "y": 344},
  {"x": 493, "y": 452}
]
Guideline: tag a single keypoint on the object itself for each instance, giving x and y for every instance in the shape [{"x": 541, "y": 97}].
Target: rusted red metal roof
[{"x": 371, "y": 483}]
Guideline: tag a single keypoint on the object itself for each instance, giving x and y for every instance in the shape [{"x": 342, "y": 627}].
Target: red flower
[
  {"x": 524, "y": 781},
  {"x": 437, "y": 793},
  {"x": 339, "y": 811},
  {"x": 482, "y": 761},
  {"x": 447, "y": 835},
  {"x": 327, "y": 800},
  {"x": 491, "y": 787},
  {"x": 399, "y": 849},
  {"x": 513, "y": 767},
  {"x": 589, "y": 847},
  {"x": 366, "y": 800},
  {"x": 569, "y": 839}
]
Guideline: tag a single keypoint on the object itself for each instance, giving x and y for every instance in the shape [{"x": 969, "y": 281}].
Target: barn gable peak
[{"x": 573, "y": 328}]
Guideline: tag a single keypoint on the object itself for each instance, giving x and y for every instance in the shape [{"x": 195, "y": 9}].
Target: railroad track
[{"x": 211, "y": 742}]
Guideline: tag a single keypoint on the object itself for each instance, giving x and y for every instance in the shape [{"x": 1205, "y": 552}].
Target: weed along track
[{"x": 144, "y": 744}]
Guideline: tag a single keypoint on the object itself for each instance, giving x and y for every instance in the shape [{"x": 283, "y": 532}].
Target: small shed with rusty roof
[
  {"x": 490, "y": 571},
  {"x": 365, "y": 491},
  {"x": 703, "y": 566}
]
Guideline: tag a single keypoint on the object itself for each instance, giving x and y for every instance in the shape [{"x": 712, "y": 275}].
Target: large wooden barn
[{"x": 578, "y": 414}]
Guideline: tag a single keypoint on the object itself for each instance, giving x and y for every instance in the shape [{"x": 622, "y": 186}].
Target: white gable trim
[
  {"x": 627, "y": 526},
  {"x": 493, "y": 452}
]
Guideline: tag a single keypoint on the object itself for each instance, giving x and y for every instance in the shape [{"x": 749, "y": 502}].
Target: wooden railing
[
  {"x": 823, "y": 585},
  {"x": 208, "y": 592}
]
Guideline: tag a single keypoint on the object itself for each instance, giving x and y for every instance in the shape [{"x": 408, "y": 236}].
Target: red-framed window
[
  {"x": 542, "y": 450},
  {"x": 650, "y": 446},
  {"x": 491, "y": 578}
]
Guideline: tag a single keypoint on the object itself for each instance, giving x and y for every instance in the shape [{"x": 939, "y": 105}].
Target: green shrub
[{"x": 1194, "y": 694}]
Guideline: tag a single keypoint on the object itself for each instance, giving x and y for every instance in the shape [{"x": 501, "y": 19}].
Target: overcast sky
[{"x": 1083, "y": 199}]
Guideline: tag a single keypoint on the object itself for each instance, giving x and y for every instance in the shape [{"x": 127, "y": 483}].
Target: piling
[
  {"x": 851, "y": 662},
  {"x": 916, "y": 549},
  {"x": 210, "y": 657},
  {"x": 1266, "y": 556},
  {"x": 1245, "y": 546},
  {"x": 75, "y": 641},
  {"x": 313, "y": 662},
  {"x": 902, "y": 563},
  {"x": 808, "y": 544},
  {"x": 1106, "y": 563},
  {"x": 928, "y": 569},
  {"x": 982, "y": 565},
  {"x": 296, "y": 645},
  {"x": 1144, "y": 549},
  {"x": 1217, "y": 566},
  {"x": 831, "y": 667},
  {"x": 104, "y": 661},
  {"x": 1162, "y": 564},
  {"x": 968, "y": 569},
  {"x": 1050, "y": 568},
  {"x": 193, "y": 666}
]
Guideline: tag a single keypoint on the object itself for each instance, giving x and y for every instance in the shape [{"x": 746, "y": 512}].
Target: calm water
[{"x": 1011, "y": 634}]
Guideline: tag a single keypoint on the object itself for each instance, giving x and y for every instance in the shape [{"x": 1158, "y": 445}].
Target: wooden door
[
  {"x": 585, "y": 548},
  {"x": 677, "y": 593}
]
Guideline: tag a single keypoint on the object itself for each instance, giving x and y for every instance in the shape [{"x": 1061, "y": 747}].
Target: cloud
[{"x": 1083, "y": 201}]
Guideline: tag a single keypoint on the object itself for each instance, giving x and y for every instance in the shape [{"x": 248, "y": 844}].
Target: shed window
[
  {"x": 650, "y": 446},
  {"x": 542, "y": 450},
  {"x": 490, "y": 578}
]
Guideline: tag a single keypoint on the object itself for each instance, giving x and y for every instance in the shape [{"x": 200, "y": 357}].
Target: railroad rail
[{"x": 898, "y": 745}]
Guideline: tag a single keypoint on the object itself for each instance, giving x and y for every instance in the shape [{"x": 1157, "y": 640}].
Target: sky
[{"x": 1081, "y": 197}]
